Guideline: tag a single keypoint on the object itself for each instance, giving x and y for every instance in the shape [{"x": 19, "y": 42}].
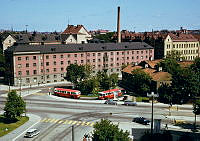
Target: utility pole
[
  {"x": 152, "y": 95},
  {"x": 73, "y": 133}
]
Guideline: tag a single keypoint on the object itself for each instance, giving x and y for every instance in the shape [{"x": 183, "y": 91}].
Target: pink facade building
[{"x": 37, "y": 64}]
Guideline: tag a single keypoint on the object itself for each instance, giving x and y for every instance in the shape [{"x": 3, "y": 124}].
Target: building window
[
  {"x": 93, "y": 60},
  {"x": 111, "y": 53},
  {"x": 141, "y": 57},
  {"x": 137, "y": 52},
  {"x": 41, "y": 70},
  {"x": 47, "y": 70},
  {"x": 34, "y": 64},
  {"x": 27, "y": 65},
  {"x": 137, "y": 57},
  {"x": 34, "y": 71},
  {"x": 54, "y": 69},
  {"x": 111, "y": 65},
  {"x": 19, "y": 65},
  {"x": 127, "y": 52},
  {"x": 47, "y": 63},
  {"x": 54, "y": 56},
  {"x": 141, "y": 52},
  {"x": 127, "y": 58},
  {"x": 75, "y": 55},
  {"x": 27, "y": 80},
  {"x": 99, "y": 66},
  {"x": 47, "y": 57},
  {"x": 68, "y": 62},
  {"x": 146, "y": 51},
  {"x": 99, "y": 60},
  {"x": 62, "y": 75},
  {"x": 27, "y": 58},
  {"x": 19, "y": 58},
  {"x": 132, "y": 52},
  {"x": 117, "y": 59},
  {"x": 54, "y": 62},
  {"x": 48, "y": 77},
  {"x": 88, "y": 54},
  {"x": 99, "y": 54},
  {"x": 117, "y": 64},
  {"x": 55, "y": 76},
  {"x": 117, "y": 53},
  {"x": 61, "y": 62},
  {"x": 122, "y": 53},
  {"x": 88, "y": 60},
  {"x": 93, "y": 54},
  {"x": 61, "y": 56},
  {"x": 75, "y": 61},
  {"x": 132, "y": 57},
  {"x": 27, "y": 72},
  {"x": 82, "y": 55},
  {"x": 111, "y": 59},
  {"x": 81, "y": 61},
  {"x": 62, "y": 69},
  {"x": 19, "y": 72},
  {"x": 34, "y": 57},
  {"x": 68, "y": 55}
]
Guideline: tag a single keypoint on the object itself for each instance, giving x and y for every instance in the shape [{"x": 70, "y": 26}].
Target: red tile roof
[
  {"x": 185, "y": 64},
  {"x": 153, "y": 63},
  {"x": 71, "y": 29},
  {"x": 182, "y": 37}
]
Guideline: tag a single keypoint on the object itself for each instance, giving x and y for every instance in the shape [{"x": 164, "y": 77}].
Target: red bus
[
  {"x": 67, "y": 93},
  {"x": 110, "y": 94}
]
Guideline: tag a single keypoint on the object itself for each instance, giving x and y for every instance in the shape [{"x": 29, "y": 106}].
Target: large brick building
[{"x": 36, "y": 64}]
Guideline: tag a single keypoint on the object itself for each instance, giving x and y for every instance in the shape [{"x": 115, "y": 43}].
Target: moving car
[
  {"x": 111, "y": 101},
  {"x": 31, "y": 133},
  {"x": 141, "y": 120},
  {"x": 130, "y": 103}
]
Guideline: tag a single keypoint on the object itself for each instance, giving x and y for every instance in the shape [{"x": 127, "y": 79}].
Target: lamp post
[{"x": 152, "y": 95}]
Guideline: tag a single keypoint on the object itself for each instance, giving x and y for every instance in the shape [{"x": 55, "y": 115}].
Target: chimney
[{"x": 118, "y": 26}]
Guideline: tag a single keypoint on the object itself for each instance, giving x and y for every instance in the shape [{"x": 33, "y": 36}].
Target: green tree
[
  {"x": 107, "y": 131},
  {"x": 140, "y": 82},
  {"x": 170, "y": 65},
  {"x": 14, "y": 107},
  {"x": 106, "y": 37},
  {"x": 77, "y": 73}
]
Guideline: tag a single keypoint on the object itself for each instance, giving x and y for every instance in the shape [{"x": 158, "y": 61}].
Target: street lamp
[{"x": 152, "y": 95}]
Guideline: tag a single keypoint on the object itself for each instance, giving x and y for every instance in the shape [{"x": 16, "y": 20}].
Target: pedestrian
[{"x": 166, "y": 126}]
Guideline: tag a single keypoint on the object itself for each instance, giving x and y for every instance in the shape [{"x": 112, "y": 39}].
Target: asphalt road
[{"x": 58, "y": 116}]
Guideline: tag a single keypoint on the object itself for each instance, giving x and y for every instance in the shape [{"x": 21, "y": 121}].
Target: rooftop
[{"x": 90, "y": 47}]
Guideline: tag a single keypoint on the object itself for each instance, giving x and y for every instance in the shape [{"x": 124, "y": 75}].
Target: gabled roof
[
  {"x": 180, "y": 37},
  {"x": 153, "y": 73},
  {"x": 71, "y": 29},
  {"x": 185, "y": 64},
  {"x": 152, "y": 63}
]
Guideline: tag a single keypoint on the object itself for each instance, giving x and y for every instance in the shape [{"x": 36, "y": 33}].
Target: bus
[
  {"x": 110, "y": 94},
  {"x": 67, "y": 93}
]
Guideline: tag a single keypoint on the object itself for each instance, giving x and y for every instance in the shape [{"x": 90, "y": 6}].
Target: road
[{"x": 58, "y": 115}]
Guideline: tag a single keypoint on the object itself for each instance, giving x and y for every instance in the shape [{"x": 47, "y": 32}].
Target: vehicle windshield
[{"x": 101, "y": 94}]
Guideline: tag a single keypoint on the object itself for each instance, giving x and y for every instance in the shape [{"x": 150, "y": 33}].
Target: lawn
[{"x": 5, "y": 127}]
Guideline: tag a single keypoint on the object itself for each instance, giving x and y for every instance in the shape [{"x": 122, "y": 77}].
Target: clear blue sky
[{"x": 139, "y": 15}]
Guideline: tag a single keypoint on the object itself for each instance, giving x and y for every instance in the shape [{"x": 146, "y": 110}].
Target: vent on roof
[
  {"x": 53, "y": 49},
  {"x": 126, "y": 46},
  {"x": 104, "y": 47}
]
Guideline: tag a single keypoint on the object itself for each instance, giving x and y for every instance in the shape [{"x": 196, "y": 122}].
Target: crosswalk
[{"x": 70, "y": 122}]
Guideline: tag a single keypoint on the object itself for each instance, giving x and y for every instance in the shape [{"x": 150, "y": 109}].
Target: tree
[
  {"x": 14, "y": 107},
  {"x": 106, "y": 37},
  {"x": 170, "y": 65},
  {"x": 76, "y": 73},
  {"x": 107, "y": 131},
  {"x": 140, "y": 82}
]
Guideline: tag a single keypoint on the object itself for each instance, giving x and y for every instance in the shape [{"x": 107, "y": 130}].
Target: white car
[
  {"x": 130, "y": 103},
  {"x": 111, "y": 101},
  {"x": 31, "y": 133}
]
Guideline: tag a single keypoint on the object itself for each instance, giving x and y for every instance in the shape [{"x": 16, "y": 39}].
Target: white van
[{"x": 31, "y": 133}]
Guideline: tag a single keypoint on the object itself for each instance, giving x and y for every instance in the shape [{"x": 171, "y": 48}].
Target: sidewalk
[{"x": 12, "y": 136}]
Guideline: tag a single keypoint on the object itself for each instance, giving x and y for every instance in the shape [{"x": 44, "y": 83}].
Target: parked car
[
  {"x": 141, "y": 120},
  {"x": 111, "y": 101},
  {"x": 31, "y": 133},
  {"x": 130, "y": 103}
]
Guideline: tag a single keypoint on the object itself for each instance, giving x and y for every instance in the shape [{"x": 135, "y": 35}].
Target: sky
[{"x": 136, "y": 15}]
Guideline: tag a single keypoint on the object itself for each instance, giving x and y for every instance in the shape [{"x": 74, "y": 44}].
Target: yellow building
[{"x": 185, "y": 44}]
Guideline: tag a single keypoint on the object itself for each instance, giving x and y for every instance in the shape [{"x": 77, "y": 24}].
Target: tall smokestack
[{"x": 118, "y": 26}]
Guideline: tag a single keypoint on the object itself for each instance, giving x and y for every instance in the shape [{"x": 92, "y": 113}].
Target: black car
[{"x": 141, "y": 120}]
